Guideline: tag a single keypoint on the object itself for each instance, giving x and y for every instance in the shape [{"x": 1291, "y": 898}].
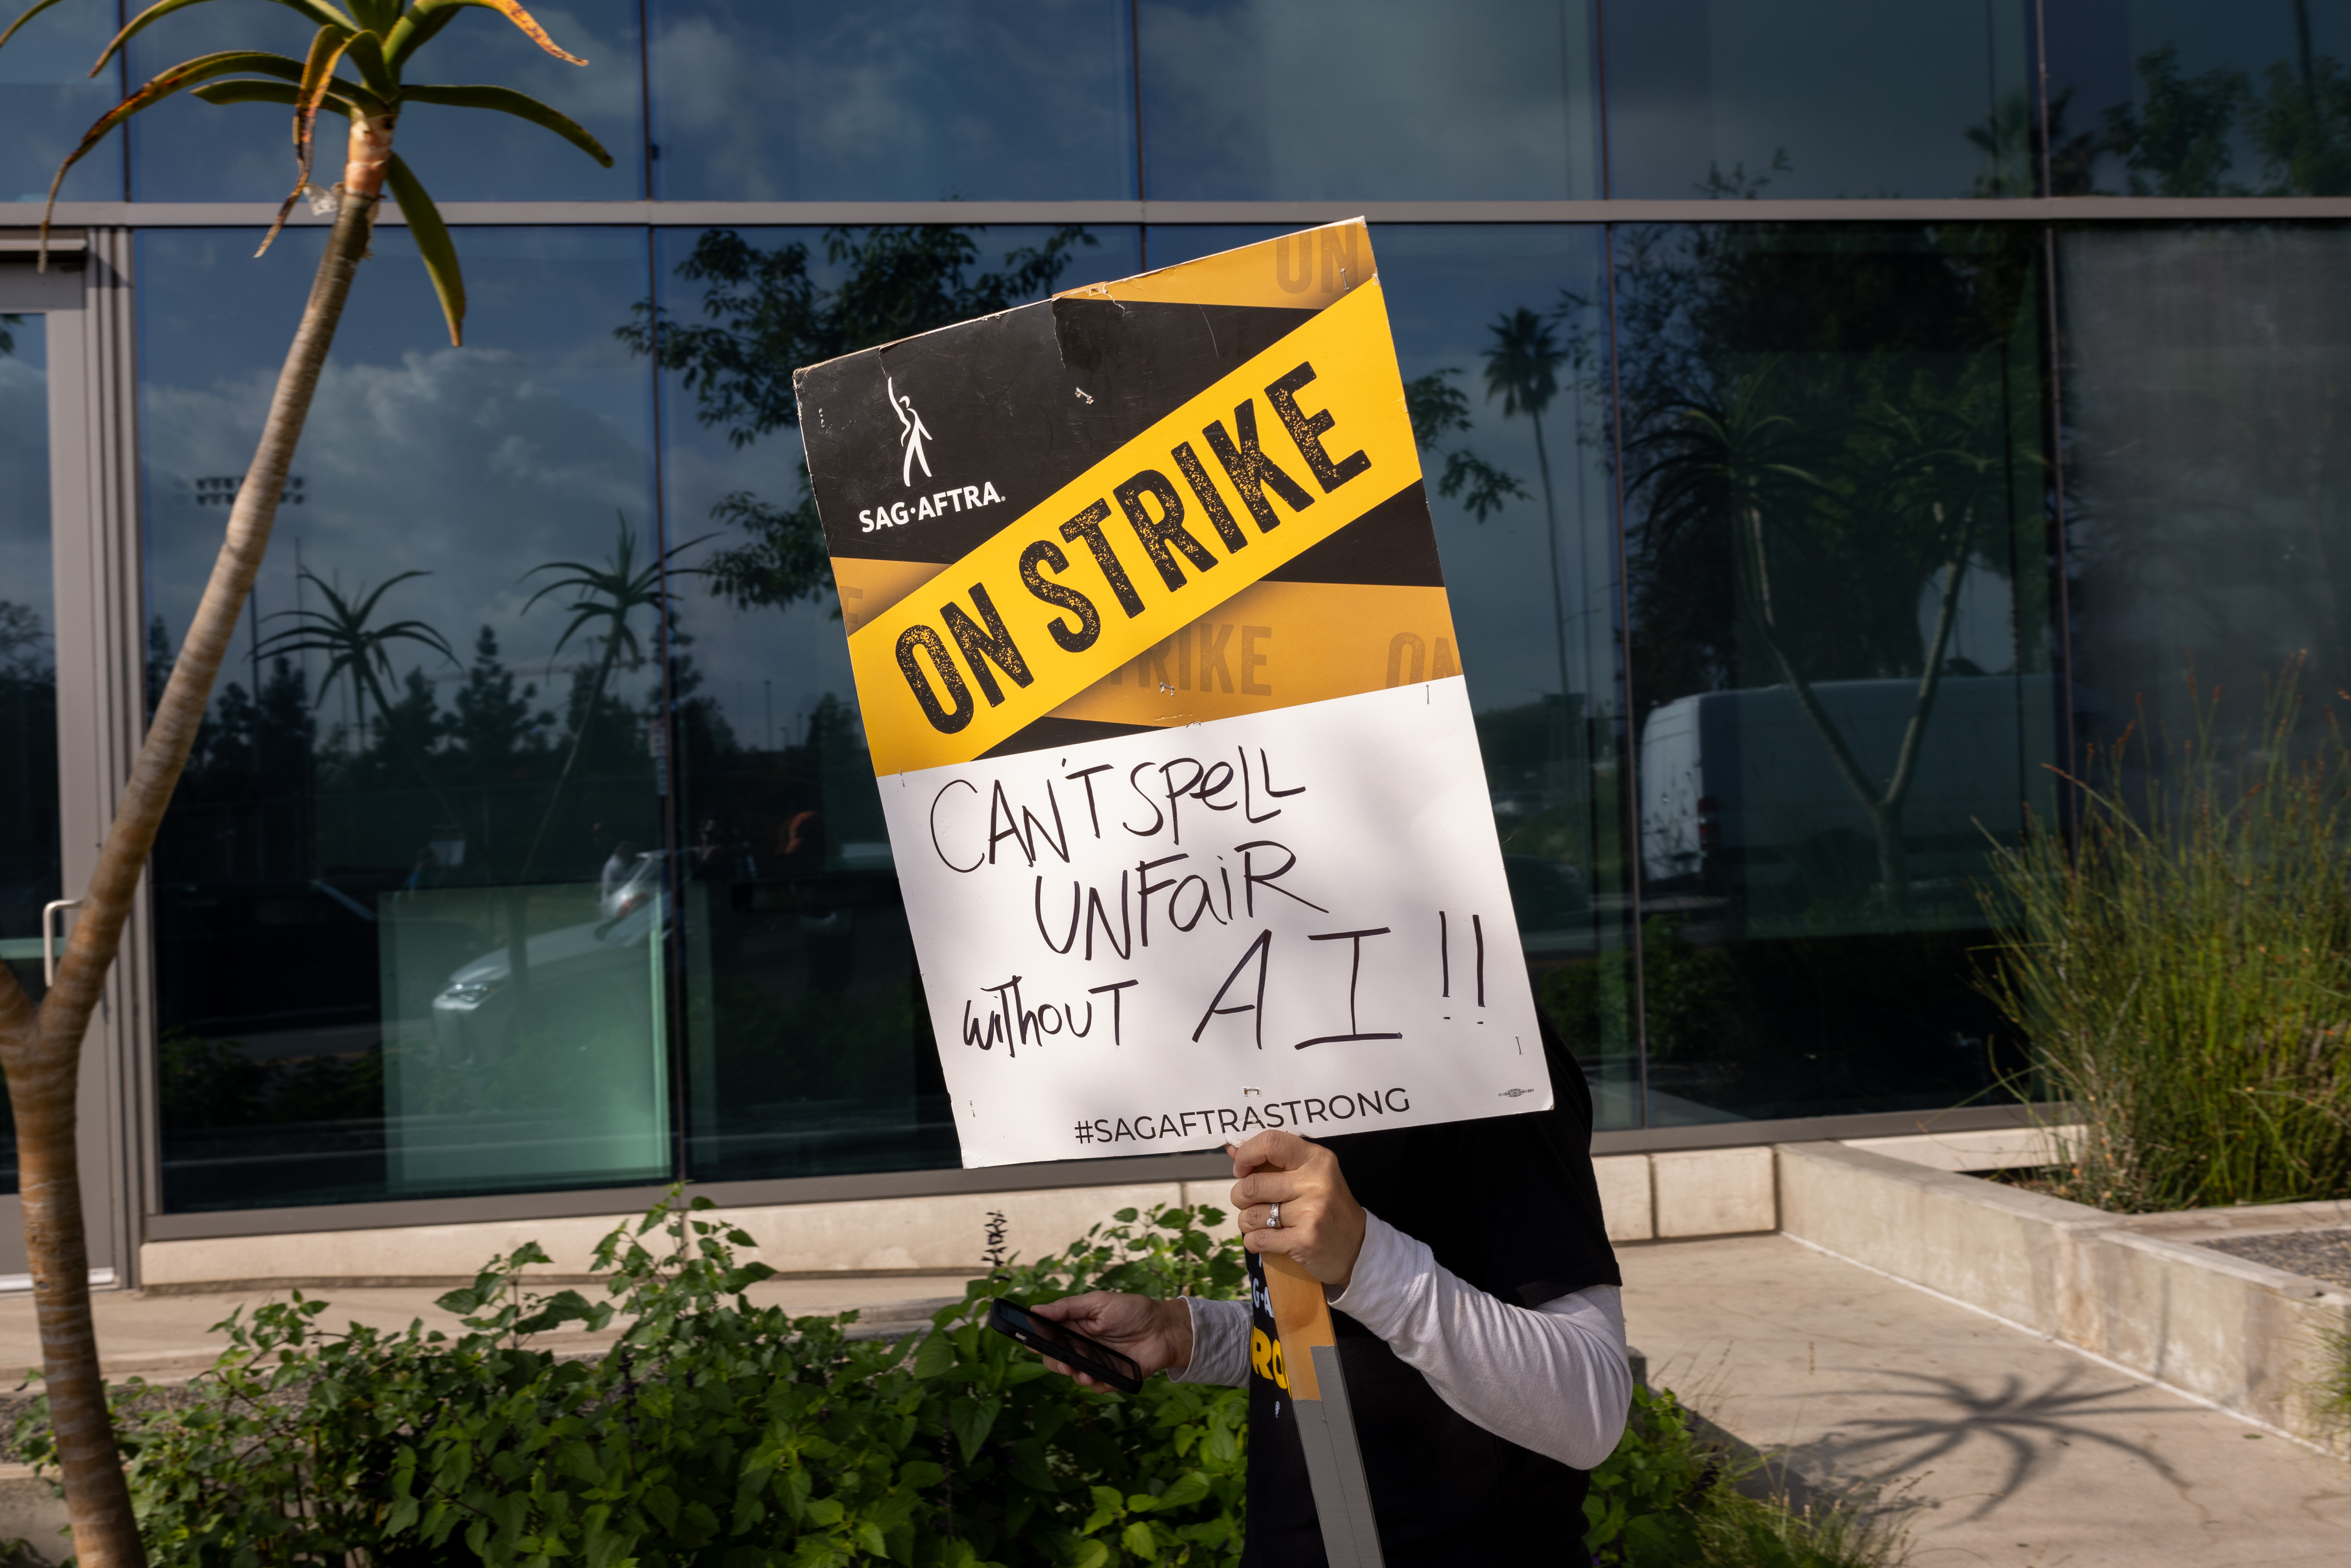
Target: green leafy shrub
[
  {"x": 715, "y": 1432},
  {"x": 2183, "y": 971}
]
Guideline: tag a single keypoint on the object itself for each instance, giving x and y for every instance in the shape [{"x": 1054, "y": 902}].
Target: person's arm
[
  {"x": 1554, "y": 1378},
  {"x": 1155, "y": 1334},
  {"x": 1221, "y": 1332}
]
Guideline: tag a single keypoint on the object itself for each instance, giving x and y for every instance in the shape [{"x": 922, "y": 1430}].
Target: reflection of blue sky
[
  {"x": 1866, "y": 99},
  {"x": 1381, "y": 99},
  {"x": 46, "y": 99},
  {"x": 1445, "y": 284},
  {"x": 801, "y": 651},
  {"x": 24, "y": 471},
  {"x": 473, "y": 464},
  {"x": 188, "y": 151},
  {"x": 919, "y": 101}
]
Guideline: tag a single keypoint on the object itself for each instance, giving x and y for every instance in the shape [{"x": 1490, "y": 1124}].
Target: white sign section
[{"x": 1170, "y": 940}]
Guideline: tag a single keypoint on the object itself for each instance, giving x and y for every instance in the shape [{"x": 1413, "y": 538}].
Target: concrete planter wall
[{"x": 2133, "y": 1289}]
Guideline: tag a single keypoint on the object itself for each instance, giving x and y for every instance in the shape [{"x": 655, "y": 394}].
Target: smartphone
[{"x": 1068, "y": 1347}]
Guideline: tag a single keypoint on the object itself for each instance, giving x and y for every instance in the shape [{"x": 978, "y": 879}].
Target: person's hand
[
  {"x": 1157, "y": 1335},
  {"x": 1322, "y": 1226}
]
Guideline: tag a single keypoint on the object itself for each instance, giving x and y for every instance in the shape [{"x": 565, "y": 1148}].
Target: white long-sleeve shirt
[{"x": 1554, "y": 1378}]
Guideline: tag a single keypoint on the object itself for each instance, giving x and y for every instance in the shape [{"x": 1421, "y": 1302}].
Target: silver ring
[{"x": 1273, "y": 1217}]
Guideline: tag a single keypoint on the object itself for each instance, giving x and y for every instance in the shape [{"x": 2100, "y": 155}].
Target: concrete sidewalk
[
  {"x": 1995, "y": 1446},
  {"x": 164, "y": 1336}
]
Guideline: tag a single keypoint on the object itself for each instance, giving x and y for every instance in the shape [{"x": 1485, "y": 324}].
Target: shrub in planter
[{"x": 2182, "y": 969}]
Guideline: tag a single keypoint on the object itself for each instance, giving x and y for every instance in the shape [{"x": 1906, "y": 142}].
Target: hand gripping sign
[{"x": 1158, "y": 675}]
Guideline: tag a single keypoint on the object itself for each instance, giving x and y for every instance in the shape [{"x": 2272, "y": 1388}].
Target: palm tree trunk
[
  {"x": 1888, "y": 815},
  {"x": 1885, "y": 805},
  {"x": 1550, "y": 538},
  {"x": 40, "y": 1050},
  {"x": 579, "y": 735}
]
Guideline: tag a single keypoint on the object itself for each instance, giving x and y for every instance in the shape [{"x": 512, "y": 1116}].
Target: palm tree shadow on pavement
[{"x": 1922, "y": 1420}]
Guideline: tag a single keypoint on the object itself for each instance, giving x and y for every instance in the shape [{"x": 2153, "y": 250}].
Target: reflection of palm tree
[
  {"x": 359, "y": 652},
  {"x": 1740, "y": 462},
  {"x": 610, "y": 596},
  {"x": 1522, "y": 369}
]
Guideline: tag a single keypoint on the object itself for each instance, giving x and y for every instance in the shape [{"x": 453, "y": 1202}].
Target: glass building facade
[{"x": 1836, "y": 416}]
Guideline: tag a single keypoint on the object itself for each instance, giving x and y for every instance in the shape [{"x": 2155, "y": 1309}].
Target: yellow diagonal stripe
[{"x": 979, "y": 624}]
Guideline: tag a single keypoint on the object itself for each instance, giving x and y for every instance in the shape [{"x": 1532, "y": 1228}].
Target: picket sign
[{"x": 1163, "y": 695}]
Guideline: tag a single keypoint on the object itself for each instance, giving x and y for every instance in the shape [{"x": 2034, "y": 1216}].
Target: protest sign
[{"x": 1158, "y": 677}]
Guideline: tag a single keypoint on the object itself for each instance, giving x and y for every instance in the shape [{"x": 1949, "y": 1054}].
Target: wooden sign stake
[{"x": 1326, "y": 1424}]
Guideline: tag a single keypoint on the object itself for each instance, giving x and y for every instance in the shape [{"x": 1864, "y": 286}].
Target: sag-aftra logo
[{"x": 912, "y": 435}]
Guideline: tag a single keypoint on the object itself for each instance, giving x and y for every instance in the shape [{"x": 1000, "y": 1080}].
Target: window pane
[
  {"x": 810, "y": 1045},
  {"x": 2170, "y": 97},
  {"x": 414, "y": 918},
  {"x": 1308, "y": 100},
  {"x": 185, "y": 150},
  {"x": 28, "y": 676},
  {"x": 2206, "y": 471},
  {"x": 1819, "y": 97},
  {"x": 1499, "y": 346},
  {"x": 1834, "y": 480},
  {"x": 47, "y": 99},
  {"x": 929, "y": 100}
]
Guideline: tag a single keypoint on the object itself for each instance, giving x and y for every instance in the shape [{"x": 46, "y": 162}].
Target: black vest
[{"x": 1445, "y": 1490}]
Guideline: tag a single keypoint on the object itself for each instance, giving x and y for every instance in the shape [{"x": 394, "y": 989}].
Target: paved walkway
[
  {"x": 161, "y": 1336},
  {"x": 1996, "y": 1446}
]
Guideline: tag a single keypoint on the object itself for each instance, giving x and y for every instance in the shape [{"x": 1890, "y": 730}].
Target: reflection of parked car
[
  {"x": 1738, "y": 790},
  {"x": 634, "y": 891},
  {"x": 1548, "y": 895},
  {"x": 1520, "y": 803},
  {"x": 476, "y": 1010}
]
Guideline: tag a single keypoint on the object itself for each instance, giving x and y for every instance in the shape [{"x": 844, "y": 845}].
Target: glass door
[
  {"x": 54, "y": 379},
  {"x": 29, "y": 837},
  {"x": 28, "y": 672}
]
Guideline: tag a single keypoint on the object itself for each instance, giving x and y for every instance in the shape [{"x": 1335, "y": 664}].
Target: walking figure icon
[{"x": 912, "y": 433}]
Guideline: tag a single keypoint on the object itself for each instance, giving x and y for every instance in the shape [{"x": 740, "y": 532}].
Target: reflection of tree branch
[
  {"x": 764, "y": 313},
  {"x": 1439, "y": 409},
  {"x": 784, "y": 561}
]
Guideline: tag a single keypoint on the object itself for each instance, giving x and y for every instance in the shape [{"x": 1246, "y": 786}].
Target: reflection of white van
[{"x": 1738, "y": 790}]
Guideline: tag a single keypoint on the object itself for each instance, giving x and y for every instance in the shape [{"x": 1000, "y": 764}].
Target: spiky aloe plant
[{"x": 357, "y": 67}]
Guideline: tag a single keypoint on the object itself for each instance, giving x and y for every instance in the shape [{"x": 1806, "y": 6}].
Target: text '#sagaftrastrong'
[{"x": 1250, "y": 1117}]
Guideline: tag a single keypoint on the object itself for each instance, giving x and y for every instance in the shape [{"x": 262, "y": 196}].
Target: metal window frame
[
  {"x": 704, "y": 214},
  {"x": 85, "y": 296}
]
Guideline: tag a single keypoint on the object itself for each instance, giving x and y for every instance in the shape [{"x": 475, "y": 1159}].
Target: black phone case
[{"x": 1094, "y": 1359}]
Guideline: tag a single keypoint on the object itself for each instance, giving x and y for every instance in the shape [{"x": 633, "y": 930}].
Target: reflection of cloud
[
  {"x": 1272, "y": 102},
  {"x": 915, "y": 101},
  {"x": 468, "y": 464}
]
